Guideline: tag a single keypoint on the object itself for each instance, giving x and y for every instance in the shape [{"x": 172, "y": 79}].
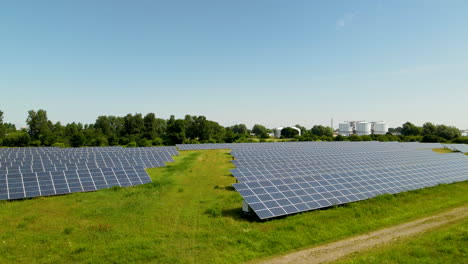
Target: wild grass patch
[{"x": 447, "y": 244}]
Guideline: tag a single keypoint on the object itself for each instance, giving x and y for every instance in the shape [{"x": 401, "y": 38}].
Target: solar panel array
[
  {"x": 32, "y": 172},
  {"x": 208, "y": 146},
  {"x": 278, "y": 179},
  {"x": 457, "y": 147}
]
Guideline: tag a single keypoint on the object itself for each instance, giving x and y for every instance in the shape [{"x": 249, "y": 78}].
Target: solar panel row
[
  {"x": 31, "y": 172},
  {"x": 16, "y": 186},
  {"x": 278, "y": 179},
  {"x": 457, "y": 147}
]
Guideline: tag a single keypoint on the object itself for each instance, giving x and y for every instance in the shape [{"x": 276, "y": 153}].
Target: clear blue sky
[{"x": 271, "y": 62}]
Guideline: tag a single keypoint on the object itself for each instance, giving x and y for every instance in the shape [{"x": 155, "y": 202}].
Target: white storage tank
[
  {"x": 345, "y": 129},
  {"x": 277, "y": 132},
  {"x": 380, "y": 128},
  {"x": 363, "y": 128}
]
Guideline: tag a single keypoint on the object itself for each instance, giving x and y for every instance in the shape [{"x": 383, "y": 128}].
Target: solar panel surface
[
  {"x": 277, "y": 179},
  {"x": 31, "y": 172},
  {"x": 458, "y": 147}
]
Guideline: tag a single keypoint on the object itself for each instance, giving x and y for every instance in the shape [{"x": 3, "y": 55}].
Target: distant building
[{"x": 464, "y": 133}]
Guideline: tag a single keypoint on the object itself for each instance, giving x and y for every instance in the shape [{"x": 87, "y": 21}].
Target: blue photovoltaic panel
[
  {"x": 284, "y": 178},
  {"x": 32, "y": 172},
  {"x": 457, "y": 147}
]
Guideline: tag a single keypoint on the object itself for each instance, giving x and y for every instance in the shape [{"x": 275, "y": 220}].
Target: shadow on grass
[
  {"x": 227, "y": 188},
  {"x": 238, "y": 215}
]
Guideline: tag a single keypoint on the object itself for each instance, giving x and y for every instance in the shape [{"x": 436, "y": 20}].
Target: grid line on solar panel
[
  {"x": 335, "y": 173},
  {"x": 319, "y": 191},
  {"x": 50, "y": 171},
  {"x": 312, "y": 168},
  {"x": 457, "y": 147}
]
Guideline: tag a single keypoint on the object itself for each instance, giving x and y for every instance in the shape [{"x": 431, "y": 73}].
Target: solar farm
[
  {"x": 274, "y": 179},
  {"x": 214, "y": 203}
]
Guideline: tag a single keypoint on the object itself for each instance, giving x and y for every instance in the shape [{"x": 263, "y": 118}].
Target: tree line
[{"x": 137, "y": 130}]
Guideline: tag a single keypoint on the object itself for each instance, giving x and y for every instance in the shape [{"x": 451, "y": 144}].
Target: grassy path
[{"x": 337, "y": 250}]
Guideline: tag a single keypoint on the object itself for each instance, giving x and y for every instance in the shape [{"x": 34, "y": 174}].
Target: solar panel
[
  {"x": 32, "y": 172},
  {"x": 277, "y": 179},
  {"x": 457, "y": 147}
]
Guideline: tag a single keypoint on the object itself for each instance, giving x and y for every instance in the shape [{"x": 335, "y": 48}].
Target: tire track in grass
[{"x": 336, "y": 250}]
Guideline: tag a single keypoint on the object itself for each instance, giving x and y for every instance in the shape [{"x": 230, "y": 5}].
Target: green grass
[
  {"x": 443, "y": 150},
  {"x": 448, "y": 244},
  {"x": 190, "y": 214}
]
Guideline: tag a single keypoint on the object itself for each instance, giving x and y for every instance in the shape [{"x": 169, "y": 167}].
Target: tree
[
  {"x": 38, "y": 124},
  {"x": 103, "y": 123},
  {"x": 447, "y": 132},
  {"x": 17, "y": 139},
  {"x": 320, "y": 130},
  {"x": 133, "y": 125},
  {"x": 77, "y": 140},
  {"x": 410, "y": 129},
  {"x": 303, "y": 129},
  {"x": 154, "y": 127},
  {"x": 259, "y": 130},
  {"x": 432, "y": 138},
  {"x": 354, "y": 138},
  {"x": 240, "y": 129},
  {"x": 394, "y": 131},
  {"x": 428, "y": 128},
  {"x": 289, "y": 132},
  {"x": 175, "y": 133}
]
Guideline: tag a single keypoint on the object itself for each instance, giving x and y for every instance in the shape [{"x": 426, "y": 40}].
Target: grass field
[
  {"x": 443, "y": 150},
  {"x": 448, "y": 244},
  {"x": 189, "y": 214}
]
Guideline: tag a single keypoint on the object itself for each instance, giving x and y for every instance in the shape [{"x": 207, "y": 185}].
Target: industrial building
[{"x": 361, "y": 128}]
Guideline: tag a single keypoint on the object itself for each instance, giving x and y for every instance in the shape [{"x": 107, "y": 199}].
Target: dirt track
[{"x": 336, "y": 250}]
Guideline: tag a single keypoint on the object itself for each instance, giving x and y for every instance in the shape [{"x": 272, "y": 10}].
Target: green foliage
[
  {"x": 354, "y": 138},
  {"x": 152, "y": 131},
  {"x": 366, "y": 138},
  {"x": 341, "y": 138},
  {"x": 433, "y": 138},
  {"x": 132, "y": 144},
  {"x": 158, "y": 142},
  {"x": 320, "y": 130},
  {"x": 239, "y": 129},
  {"x": 410, "y": 129},
  {"x": 59, "y": 145},
  {"x": 77, "y": 140},
  {"x": 428, "y": 128},
  {"x": 302, "y": 128},
  {"x": 446, "y": 132},
  {"x": 395, "y": 131},
  {"x": 38, "y": 124},
  {"x": 259, "y": 130},
  {"x": 17, "y": 139},
  {"x": 175, "y": 133},
  {"x": 460, "y": 140},
  {"x": 144, "y": 143},
  {"x": 289, "y": 132}
]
